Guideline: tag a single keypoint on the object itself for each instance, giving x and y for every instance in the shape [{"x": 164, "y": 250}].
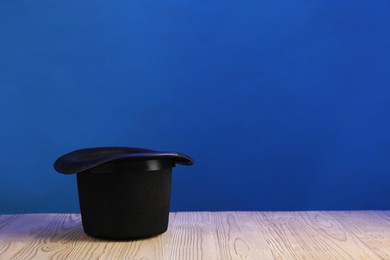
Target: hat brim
[{"x": 84, "y": 159}]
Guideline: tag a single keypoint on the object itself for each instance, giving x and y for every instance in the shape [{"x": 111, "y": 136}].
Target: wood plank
[{"x": 208, "y": 235}]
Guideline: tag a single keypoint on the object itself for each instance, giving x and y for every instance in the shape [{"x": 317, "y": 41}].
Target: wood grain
[{"x": 208, "y": 235}]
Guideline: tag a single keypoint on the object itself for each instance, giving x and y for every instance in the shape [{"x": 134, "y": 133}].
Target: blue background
[{"x": 283, "y": 104}]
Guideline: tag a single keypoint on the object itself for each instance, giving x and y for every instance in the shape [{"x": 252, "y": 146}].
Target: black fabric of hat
[{"x": 84, "y": 159}]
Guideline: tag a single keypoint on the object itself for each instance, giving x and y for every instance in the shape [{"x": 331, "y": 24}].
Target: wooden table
[{"x": 208, "y": 235}]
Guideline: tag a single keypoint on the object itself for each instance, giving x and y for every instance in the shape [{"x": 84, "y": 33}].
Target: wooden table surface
[{"x": 208, "y": 235}]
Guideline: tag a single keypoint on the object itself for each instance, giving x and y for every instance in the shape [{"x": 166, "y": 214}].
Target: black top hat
[
  {"x": 84, "y": 159},
  {"x": 124, "y": 192}
]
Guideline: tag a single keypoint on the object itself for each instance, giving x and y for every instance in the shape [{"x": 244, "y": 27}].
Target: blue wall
[{"x": 283, "y": 104}]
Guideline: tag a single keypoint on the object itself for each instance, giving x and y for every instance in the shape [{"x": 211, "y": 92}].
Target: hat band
[{"x": 131, "y": 165}]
